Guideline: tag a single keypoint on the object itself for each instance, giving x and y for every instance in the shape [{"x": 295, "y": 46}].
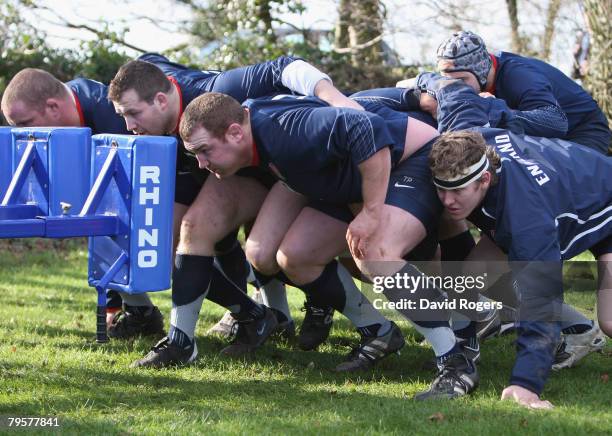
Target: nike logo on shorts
[{"x": 398, "y": 185}]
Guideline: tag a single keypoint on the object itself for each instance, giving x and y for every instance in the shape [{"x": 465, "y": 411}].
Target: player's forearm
[
  {"x": 539, "y": 283},
  {"x": 549, "y": 121},
  {"x": 375, "y": 179},
  {"x": 327, "y": 92}
]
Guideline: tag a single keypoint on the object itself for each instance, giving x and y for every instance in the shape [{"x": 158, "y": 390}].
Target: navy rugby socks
[
  {"x": 232, "y": 260},
  {"x": 431, "y": 323},
  {"x": 225, "y": 293},
  {"x": 190, "y": 283},
  {"x": 336, "y": 288}
]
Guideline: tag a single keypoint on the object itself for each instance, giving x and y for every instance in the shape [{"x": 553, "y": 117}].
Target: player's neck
[
  {"x": 175, "y": 112},
  {"x": 248, "y": 144},
  {"x": 72, "y": 116}
]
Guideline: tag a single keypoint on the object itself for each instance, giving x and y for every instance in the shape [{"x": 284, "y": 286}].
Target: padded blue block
[
  {"x": 142, "y": 196},
  {"x": 61, "y": 169}
]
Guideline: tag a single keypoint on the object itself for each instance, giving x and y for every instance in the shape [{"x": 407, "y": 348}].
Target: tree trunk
[
  {"x": 599, "y": 75},
  {"x": 549, "y": 28},
  {"x": 517, "y": 43},
  {"x": 344, "y": 17},
  {"x": 359, "y": 29}
]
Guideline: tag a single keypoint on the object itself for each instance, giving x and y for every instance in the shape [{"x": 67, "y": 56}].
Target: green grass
[{"x": 50, "y": 366}]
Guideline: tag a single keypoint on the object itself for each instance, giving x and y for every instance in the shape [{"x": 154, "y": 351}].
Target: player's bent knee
[
  {"x": 291, "y": 257},
  {"x": 262, "y": 258},
  {"x": 195, "y": 237},
  {"x": 189, "y": 226},
  {"x": 285, "y": 262}
]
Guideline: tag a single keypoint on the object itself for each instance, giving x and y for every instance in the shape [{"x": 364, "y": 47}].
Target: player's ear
[
  {"x": 53, "y": 108},
  {"x": 161, "y": 99},
  {"x": 485, "y": 179},
  {"x": 235, "y": 131}
]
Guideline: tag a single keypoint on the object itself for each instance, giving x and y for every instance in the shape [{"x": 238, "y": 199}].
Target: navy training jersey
[
  {"x": 526, "y": 84},
  {"x": 396, "y": 106},
  {"x": 391, "y": 102},
  {"x": 95, "y": 109},
  {"x": 553, "y": 199},
  {"x": 254, "y": 81},
  {"x": 314, "y": 148},
  {"x": 240, "y": 83}
]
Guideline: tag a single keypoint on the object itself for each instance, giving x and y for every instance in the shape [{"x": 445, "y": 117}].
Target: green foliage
[
  {"x": 22, "y": 45},
  {"x": 100, "y": 60}
]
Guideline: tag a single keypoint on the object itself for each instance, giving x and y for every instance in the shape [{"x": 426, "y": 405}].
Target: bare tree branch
[
  {"x": 100, "y": 34},
  {"x": 358, "y": 47}
]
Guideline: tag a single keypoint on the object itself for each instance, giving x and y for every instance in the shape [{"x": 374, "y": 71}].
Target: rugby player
[
  {"x": 565, "y": 195},
  {"x": 459, "y": 107},
  {"x": 539, "y": 98},
  {"x": 152, "y": 103},
  {"x": 337, "y": 158}
]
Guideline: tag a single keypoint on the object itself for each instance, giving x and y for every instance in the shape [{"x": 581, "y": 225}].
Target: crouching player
[
  {"x": 458, "y": 107},
  {"x": 541, "y": 201},
  {"x": 217, "y": 129},
  {"x": 340, "y": 157}
]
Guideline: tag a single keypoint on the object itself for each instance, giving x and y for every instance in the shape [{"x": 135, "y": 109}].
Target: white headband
[{"x": 471, "y": 173}]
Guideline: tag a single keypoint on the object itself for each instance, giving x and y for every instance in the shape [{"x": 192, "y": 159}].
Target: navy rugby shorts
[{"x": 410, "y": 189}]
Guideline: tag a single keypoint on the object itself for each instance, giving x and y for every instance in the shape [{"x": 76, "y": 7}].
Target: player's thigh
[
  {"x": 278, "y": 211},
  {"x": 221, "y": 206},
  {"x": 315, "y": 238},
  {"x": 401, "y": 233}
]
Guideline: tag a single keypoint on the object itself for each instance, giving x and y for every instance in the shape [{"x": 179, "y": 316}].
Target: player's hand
[
  {"x": 360, "y": 231},
  {"x": 525, "y": 398},
  {"x": 486, "y": 95}
]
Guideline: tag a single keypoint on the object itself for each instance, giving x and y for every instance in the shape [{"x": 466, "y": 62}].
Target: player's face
[
  {"x": 467, "y": 77},
  {"x": 220, "y": 156},
  {"x": 19, "y": 114},
  {"x": 459, "y": 203},
  {"x": 141, "y": 117}
]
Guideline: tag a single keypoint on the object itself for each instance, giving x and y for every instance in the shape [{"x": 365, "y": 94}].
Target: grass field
[{"x": 50, "y": 366}]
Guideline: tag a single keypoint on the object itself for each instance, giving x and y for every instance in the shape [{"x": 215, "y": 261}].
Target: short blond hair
[
  {"x": 453, "y": 152},
  {"x": 33, "y": 87}
]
